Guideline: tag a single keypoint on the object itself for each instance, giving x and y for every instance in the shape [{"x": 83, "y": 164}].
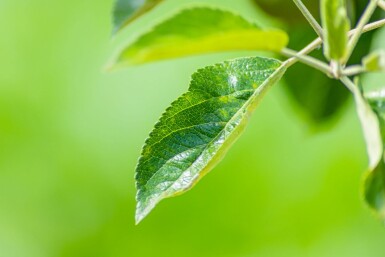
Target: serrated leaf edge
[{"x": 250, "y": 105}]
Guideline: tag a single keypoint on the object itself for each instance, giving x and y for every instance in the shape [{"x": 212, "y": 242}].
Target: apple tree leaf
[
  {"x": 195, "y": 132},
  {"x": 199, "y": 30}
]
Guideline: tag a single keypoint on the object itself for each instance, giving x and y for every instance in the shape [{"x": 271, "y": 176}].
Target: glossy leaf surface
[
  {"x": 126, "y": 11},
  {"x": 336, "y": 25},
  {"x": 195, "y": 132},
  {"x": 198, "y": 31}
]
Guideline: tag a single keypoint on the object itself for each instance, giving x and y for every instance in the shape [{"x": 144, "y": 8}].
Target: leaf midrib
[
  {"x": 204, "y": 149},
  {"x": 204, "y": 101},
  {"x": 252, "y": 97}
]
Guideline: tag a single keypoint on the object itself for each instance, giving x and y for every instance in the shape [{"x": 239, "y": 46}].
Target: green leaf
[
  {"x": 126, "y": 11},
  {"x": 194, "y": 133},
  {"x": 371, "y": 128},
  {"x": 336, "y": 26},
  {"x": 374, "y": 183},
  {"x": 374, "y": 61},
  {"x": 198, "y": 31}
]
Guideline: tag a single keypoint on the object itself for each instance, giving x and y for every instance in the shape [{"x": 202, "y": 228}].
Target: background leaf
[
  {"x": 126, "y": 11},
  {"x": 319, "y": 97},
  {"x": 287, "y": 10},
  {"x": 195, "y": 132},
  {"x": 198, "y": 31}
]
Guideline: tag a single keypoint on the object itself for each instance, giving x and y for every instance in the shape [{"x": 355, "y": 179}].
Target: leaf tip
[
  {"x": 108, "y": 68},
  {"x": 144, "y": 207},
  {"x": 139, "y": 215},
  {"x": 112, "y": 66},
  {"x": 138, "y": 218}
]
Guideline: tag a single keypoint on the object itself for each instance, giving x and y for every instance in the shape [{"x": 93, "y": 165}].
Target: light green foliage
[
  {"x": 336, "y": 26},
  {"x": 126, "y": 11},
  {"x": 374, "y": 186},
  {"x": 195, "y": 132},
  {"x": 70, "y": 137},
  {"x": 375, "y": 61},
  {"x": 198, "y": 31}
]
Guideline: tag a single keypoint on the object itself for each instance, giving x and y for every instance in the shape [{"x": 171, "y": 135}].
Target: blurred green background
[{"x": 70, "y": 135}]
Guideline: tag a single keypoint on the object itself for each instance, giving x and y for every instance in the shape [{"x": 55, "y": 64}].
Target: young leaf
[
  {"x": 371, "y": 128},
  {"x": 126, "y": 11},
  {"x": 194, "y": 133},
  {"x": 371, "y": 111},
  {"x": 374, "y": 185},
  {"x": 198, "y": 31},
  {"x": 336, "y": 25},
  {"x": 374, "y": 61}
]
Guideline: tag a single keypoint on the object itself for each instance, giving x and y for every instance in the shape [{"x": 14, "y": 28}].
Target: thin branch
[
  {"x": 308, "y": 49},
  {"x": 349, "y": 84},
  {"x": 381, "y": 4},
  {"x": 310, "y": 61},
  {"x": 360, "y": 28},
  {"x": 318, "y": 41},
  {"x": 309, "y": 17},
  {"x": 370, "y": 26},
  {"x": 353, "y": 70}
]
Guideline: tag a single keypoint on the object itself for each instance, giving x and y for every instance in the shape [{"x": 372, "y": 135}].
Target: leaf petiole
[
  {"x": 349, "y": 84},
  {"x": 318, "y": 41},
  {"x": 360, "y": 28},
  {"x": 370, "y": 27},
  {"x": 309, "y": 17},
  {"x": 353, "y": 70},
  {"x": 308, "y": 60}
]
